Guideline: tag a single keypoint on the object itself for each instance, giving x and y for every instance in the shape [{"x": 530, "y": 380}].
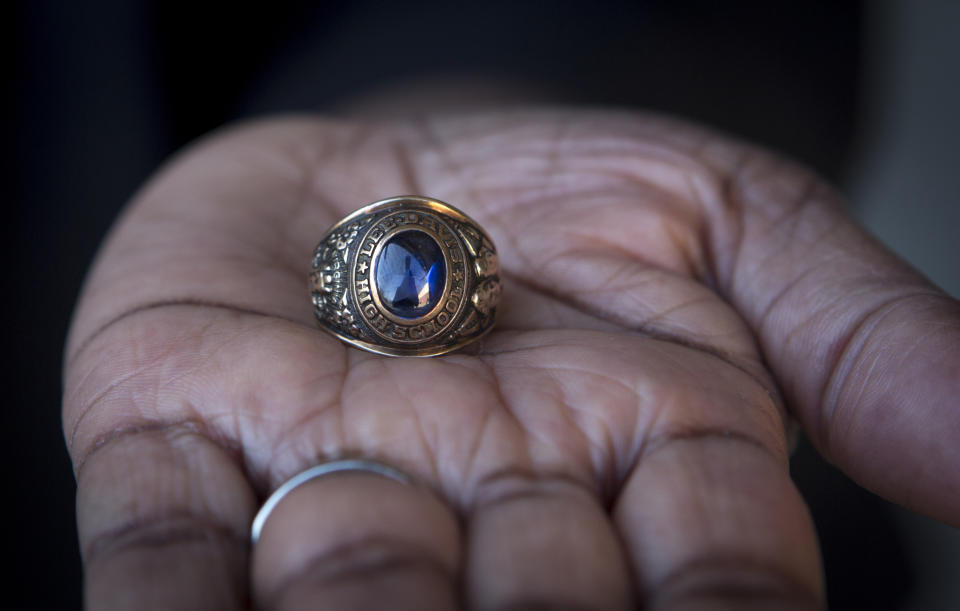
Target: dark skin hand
[{"x": 672, "y": 298}]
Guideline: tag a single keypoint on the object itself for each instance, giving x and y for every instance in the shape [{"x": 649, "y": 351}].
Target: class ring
[{"x": 406, "y": 276}]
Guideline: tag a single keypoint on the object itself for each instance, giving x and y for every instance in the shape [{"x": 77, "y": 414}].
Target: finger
[
  {"x": 712, "y": 521},
  {"x": 163, "y": 515},
  {"x": 867, "y": 350},
  {"x": 357, "y": 541},
  {"x": 709, "y": 515},
  {"x": 542, "y": 543}
]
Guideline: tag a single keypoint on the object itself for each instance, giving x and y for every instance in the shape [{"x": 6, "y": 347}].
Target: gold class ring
[{"x": 406, "y": 276}]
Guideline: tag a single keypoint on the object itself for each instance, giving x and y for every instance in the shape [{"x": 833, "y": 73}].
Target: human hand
[{"x": 619, "y": 438}]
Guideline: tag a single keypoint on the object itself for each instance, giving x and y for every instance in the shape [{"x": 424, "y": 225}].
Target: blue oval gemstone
[{"x": 410, "y": 273}]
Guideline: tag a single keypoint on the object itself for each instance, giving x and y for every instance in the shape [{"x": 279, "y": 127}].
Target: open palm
[{"x": 620, "y": 438}]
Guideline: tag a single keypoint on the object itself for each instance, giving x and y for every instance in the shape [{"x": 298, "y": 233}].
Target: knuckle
[
  {"x": 171, "y": 528},
  {"x": 725, "y": 581},
  {"x": 367, "y": 563}
]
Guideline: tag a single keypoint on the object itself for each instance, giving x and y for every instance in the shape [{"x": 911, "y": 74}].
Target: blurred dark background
[{"x": 100, "y": 92}]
